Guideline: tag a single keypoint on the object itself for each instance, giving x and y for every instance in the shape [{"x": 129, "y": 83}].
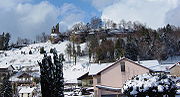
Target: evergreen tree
[
  {"x": 52, "y": 81},
  {"x": 119, "y": 49},
  {"x": 51, "y": 50},
  {"x": 30, "y": 52},
  {"x": 42, "y": 51},
  {"x": 6, "y": 89},
  {"x": 131, "y": 51}
]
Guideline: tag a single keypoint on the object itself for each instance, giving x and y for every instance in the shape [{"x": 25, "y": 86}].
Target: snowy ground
[{"x": 15, "y": 58}]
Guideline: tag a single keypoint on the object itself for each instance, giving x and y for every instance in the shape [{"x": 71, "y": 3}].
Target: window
[
  {"x": 99, "y": 80},
  {"x": 122, "y": 66},
  {"x": 91, "y": 82}
]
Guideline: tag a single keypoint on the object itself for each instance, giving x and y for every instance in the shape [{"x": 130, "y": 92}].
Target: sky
[{"x": 28, "y": 18}]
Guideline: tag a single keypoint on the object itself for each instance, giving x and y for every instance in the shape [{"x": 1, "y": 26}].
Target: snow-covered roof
[
  {"x": 178, "y": 63},
  {"x": 171, "y": 60},
  {"x": 162, "y": 68},
  {"x": 148, "y": 63},
  {"x": 153, "y": 65},
  {"x": 4, "y": 66},
  {"x": 26, "y": 90},
  {"x": 96, "y": 68}
]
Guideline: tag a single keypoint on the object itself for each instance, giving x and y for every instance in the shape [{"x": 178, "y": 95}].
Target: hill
[{"x": 20, "y": 57}]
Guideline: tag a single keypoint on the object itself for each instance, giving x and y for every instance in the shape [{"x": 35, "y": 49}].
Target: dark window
[
  {"x": 99, "y": 80},
  {"x": 91, "y": 82},
  {"x": 122, "y": 66}
]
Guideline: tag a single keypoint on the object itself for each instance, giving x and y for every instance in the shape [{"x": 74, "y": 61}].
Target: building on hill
[
  {"x": 108, "y": 78},
  {"x": 55, "y": 30},
  {"x": 56, "y": 36}
]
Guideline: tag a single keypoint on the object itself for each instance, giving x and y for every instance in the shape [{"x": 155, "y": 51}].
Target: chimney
[
  {"x": 99, "y": 62},
  {"x": 138, "y": 59}
]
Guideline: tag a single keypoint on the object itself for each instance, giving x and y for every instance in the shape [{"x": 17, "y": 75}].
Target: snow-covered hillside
[{"x": 16, "y": 58}]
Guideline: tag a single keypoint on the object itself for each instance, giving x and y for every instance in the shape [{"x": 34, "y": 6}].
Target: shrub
[
  {"x": 152, "y": 85},
  {"x": 42, "y": 51},
  {"x": 30, "y": 52},
  {"x": 51, "y": 50}
]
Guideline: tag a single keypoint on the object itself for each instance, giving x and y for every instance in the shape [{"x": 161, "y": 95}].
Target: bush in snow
[
  {"x": 42, "y": 51},
  {"x": 152, "y": 85},
  {"x": 51, "y": 50},
  {"x": 30, "y": 52}
]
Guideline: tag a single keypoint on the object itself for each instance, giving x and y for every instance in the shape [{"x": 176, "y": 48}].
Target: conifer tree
[
  {"x": 52, "y": 81},
  {"x": 30, "y": 52},
  {"x": 6, "y": 89}
]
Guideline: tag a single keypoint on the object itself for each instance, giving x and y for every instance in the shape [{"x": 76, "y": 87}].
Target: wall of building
[
  {"x": 25, "y": 95},
  {"x": 87, "y": 82},
  {"x": 175, "y": 71},
  {"x": 115, "y": 78},
  {"x": 97, "y": 92}
]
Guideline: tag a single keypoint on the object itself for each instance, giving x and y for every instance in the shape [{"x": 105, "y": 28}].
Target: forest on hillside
[{"x": 108, "y": 41}]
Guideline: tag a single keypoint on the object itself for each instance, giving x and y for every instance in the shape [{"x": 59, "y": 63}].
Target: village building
[
  {"x": 108, "y": 78},
  {"x": 175, "y": 69},
  {"x": 85, "y": 80},
  {"x": 27, "y": 91},
  {"x": 26, "y": 77},
  {"x": 5, "y": 70}
]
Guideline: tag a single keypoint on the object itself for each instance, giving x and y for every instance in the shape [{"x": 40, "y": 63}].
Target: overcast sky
[{"x": 27, "y": 18}]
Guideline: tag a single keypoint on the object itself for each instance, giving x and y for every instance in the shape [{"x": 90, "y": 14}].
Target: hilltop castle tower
[
  {"x": 55, "y": 36},
  {"x": 55, "y": 30}
]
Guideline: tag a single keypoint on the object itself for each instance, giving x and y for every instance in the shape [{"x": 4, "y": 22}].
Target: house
[
  {"x": 5, "y": 70},
  {"x": 175, "y": 69},
  {"x": 85, "y": 80},
  {"x": 108, "y": 78},
  {"x": 25, "y": 78},
  {"x": 26, "y": 91}
]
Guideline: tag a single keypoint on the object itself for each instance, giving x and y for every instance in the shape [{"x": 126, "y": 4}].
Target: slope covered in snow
[{"x": 21, "y": 57}]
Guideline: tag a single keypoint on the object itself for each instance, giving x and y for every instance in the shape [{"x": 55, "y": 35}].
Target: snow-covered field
[{"x": 15, "y": 58}]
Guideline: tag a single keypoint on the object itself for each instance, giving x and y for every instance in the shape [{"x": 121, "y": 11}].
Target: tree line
[{"x": 135, "y": 40}]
